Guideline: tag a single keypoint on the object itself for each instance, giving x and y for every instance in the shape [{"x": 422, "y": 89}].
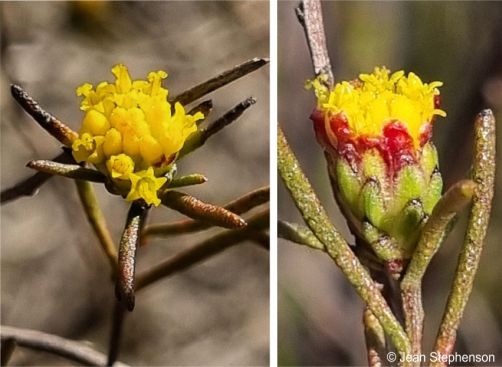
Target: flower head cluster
[
  {"x": 130, "y": 133},
  {"x": 376, "y": 131}
]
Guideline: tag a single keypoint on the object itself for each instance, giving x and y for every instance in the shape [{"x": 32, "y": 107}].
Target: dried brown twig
[{"x": 37, "y": 340}]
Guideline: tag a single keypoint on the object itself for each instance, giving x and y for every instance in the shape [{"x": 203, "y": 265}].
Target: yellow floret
[
  {"x": 129, "y": 126},
  {"x": 144, "y": 185},
  {"x": 377, "y": 98}
]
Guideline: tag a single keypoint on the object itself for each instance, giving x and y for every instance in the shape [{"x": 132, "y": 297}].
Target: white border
[{"x": 273, "y": 182}]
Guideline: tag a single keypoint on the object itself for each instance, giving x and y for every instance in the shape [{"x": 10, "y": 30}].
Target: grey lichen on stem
[
  {"x": 317, "y": 220},
  {"x": 483, "y": 174}
]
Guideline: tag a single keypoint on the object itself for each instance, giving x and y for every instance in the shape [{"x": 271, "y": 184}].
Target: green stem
[
  {"x": 375, "y": 339},
  {"x": 483, "y": 174},
  {"x": 317, "y": 220},
  {"x": 434, "y": 232},
  {"x": 97, "y": 220},
  {"x": 188, "y": 180},
  {"x": 299, "y": 234}
]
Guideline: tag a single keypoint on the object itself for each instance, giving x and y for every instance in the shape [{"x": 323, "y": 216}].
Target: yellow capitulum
[
  {"x": 378, "y": 98},
  {"x": 129, "y": 131}
]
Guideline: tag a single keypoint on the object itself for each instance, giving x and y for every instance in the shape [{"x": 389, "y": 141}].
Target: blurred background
[
  {"x": 54, "y": 276},
  {"x": 459, "y": 43}
]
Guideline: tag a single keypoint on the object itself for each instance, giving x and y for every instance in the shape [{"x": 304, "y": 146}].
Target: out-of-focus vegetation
[
  {"x": 54, "y": 276},
  {"x": 459, "y": 43}
]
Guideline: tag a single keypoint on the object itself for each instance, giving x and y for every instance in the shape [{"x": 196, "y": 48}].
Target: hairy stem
[
  {"x": 196, "y": 209},
  {"x": 483, "y": 174},
  {"x": 434, "y": 232},
  {"x": 375, "y": 339},
  {"x": 317, "y": 220}
]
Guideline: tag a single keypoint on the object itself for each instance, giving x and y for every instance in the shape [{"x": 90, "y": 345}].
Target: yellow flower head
[
  {"x": 129, "y": 128},
  {"x": 372, "y": 101}
]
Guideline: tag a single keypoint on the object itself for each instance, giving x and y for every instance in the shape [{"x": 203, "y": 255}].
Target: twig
[
  {"x": 434, "y": 232},
  {"x": 72, "y": 350},
  {"x": 238, "y": 206},
  {"x": 116, "y": 332},
  {"x": 198, "y": 138},
  {"x": 196, "y": 209},
  {"x": 317, "y": 220},
  {"x": 29, "y": 186},
  {"x": 219, "y": 81},
  {"x": 310, "y": 17},
  {"x": 202, "y": 251},
  {"x": 375, "y": 339},
  {"x": 97, "y": 220},
  {"x": 128, "y": 247},
  {"x": 67, "y": 170},
  {"x": 188, "y": 180},
  {"x": 299, "y": 234},
  {"x": 483, "y": 173},
  {"x": 51, "y": 124}
]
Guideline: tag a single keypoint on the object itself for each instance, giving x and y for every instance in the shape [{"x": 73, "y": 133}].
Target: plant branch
[
  {"x": 317, "y": 220},
  {"x": 238, "y": 206},
  {"x": 204, "y": 250},
  {"x": 483, "y": 174},
  {"x": 72, "y": 350},
  {"x": 67, "y": 170},
  {"x": 199, "y": 138},
  {"x": 51, "y": 124},
  {"x": 98, "y": 222},
  {"x": 309, "y": 15},
  {"x": 29, "y": 186},
  {"x": 299, "y": 234},
  {"x": 8, "y": 347},
  {"x": 205, "y": 107},
  {"x": 196, "y": 209},
  {"x": 124, "y": 288},
  {"x": 116, "y": 332},
  {"x": 434, "y": 232},
  {"x": 188, "y": 180},
  {"x": 219, "y": 81},
  {"x": 375, "y": 339}
]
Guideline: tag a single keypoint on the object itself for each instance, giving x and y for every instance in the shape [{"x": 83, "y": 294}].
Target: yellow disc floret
[
  {"x": 129, "y": 129},
  {"x": 373, "y": 100}
]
